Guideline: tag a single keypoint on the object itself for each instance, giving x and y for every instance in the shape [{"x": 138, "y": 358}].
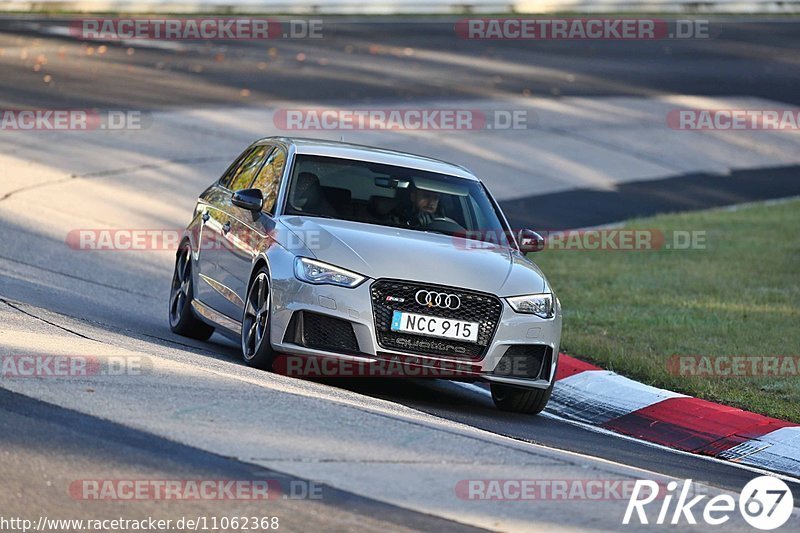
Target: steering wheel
[{"x": 445, "y": 225}]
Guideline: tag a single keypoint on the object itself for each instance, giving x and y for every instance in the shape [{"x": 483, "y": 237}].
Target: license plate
[{"x": 434, "y": 326}]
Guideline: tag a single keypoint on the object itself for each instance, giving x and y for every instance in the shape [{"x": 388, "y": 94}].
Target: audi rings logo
[{"x": 438, "y": 299}]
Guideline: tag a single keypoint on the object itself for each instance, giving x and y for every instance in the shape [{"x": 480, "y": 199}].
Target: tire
[
  {"x": 519, "y": 400},
  {"x": 181, "y": 317},
  {"x": 256, "y": 347}
]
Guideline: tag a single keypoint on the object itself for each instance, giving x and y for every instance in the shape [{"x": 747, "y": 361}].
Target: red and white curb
[{"x": 590, "y": 395}]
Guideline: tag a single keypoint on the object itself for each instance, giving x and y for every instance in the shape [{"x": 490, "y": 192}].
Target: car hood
[{"x": 385, "y": 252}]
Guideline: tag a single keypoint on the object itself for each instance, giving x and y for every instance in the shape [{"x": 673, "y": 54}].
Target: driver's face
[{"x": 425, "y": 201}]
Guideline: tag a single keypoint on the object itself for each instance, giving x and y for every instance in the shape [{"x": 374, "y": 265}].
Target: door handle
[
  {"x": 205, "y": 216},
  {"x": 226, "y": 228}
]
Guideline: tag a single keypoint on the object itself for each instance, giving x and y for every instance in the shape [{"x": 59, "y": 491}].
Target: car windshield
[{"x": 388, "y": 195}]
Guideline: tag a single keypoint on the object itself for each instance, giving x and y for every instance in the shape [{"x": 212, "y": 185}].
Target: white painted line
[
  {"x": 779, "y": 449},
  {"x": 598, "y": 396},
  {"x": 608, "y": 432},
  {"x": 760, "y": 203},
  {"x": 661, "y": 447}
]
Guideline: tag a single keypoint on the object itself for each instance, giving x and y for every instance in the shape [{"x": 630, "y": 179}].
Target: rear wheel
[
  {"x": 520, "y": 400},
  {"x": 256, "y": 347},
  {"x": 181, "y": 318}
]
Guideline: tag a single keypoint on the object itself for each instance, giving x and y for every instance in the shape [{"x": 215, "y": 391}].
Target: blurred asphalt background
[{"x": 597, "y": 144}]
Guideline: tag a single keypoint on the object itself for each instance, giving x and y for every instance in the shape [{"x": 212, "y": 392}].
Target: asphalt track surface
[
  {"x": 366, "y": 61},
  {"x": 49, "y": 434},
  {"x": 361, "y": 63}
]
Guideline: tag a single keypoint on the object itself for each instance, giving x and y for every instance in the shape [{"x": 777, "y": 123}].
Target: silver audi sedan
[{"x": 375, "y": 262}]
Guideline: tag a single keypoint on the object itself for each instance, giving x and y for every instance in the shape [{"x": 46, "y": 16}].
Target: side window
[
  {"x": 244, "y": 175},
  {"x": 269, "y": 179},
  {"x": 225, "y": 180}
]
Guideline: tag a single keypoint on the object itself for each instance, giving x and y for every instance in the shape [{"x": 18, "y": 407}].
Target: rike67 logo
[{"x": 765, "y": 503}]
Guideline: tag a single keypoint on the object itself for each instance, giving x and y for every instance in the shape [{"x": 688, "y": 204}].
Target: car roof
[{"x": 372, "y": 154}]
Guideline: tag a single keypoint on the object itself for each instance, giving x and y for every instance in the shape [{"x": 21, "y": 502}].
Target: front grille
[
  {"x": 525, "y": 361},
  {"x": 322, "y": 332},
  {"x": 475, "y": 307}
]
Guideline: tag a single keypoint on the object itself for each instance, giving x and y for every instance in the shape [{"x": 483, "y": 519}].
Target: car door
[
  {"x": 217, "y": 240},
  {"x": 249, "y": 230},
  {"x": 209, "y": 231}
]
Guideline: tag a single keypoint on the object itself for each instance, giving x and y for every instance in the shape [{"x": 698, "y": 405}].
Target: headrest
[
  {"x": 381, "y": 205},
  {"x": 306, "y": 190}
]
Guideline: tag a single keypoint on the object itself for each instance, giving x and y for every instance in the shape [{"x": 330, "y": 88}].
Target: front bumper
[{"x": 355, "y": 307}]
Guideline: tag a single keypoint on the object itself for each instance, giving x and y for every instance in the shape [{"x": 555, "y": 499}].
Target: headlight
[
  {"x": 541, "y": 305},
  {"x": 320, "y": 273}
]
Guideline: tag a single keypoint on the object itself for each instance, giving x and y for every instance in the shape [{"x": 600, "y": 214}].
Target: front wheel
[
  {"x": 181, "y": 318},
  {"x": 256, "y": 347},
  {"x": 519, "y": 400}
]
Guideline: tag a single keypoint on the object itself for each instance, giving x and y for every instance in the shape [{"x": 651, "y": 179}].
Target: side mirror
[
  {"x": 250, "y": 199},
  {"x": 530, "y": 241}
]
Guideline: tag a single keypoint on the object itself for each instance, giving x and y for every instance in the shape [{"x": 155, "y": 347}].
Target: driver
[{"x": 422, "y": 209}]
